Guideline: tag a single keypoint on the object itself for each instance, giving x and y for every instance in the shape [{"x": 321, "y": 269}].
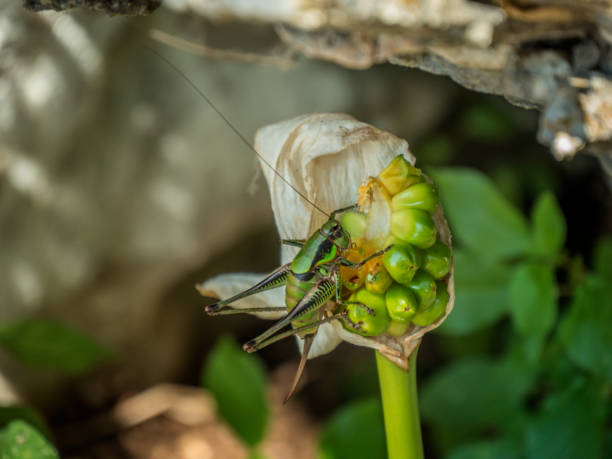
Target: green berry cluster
[{"x": 408, "y": 285}]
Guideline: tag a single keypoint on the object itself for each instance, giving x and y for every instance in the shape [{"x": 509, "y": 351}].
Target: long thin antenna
[{"x": 231, "y": 126}]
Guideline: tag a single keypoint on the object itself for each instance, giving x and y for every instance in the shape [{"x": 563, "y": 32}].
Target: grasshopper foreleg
[
  {"x": 344, "y": 209},
  {"x": 346, "y": 262},
  {"x": 275, "y": 279}
]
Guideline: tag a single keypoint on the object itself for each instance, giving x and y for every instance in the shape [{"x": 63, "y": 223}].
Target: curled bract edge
[{"x": 326, "y": 156}]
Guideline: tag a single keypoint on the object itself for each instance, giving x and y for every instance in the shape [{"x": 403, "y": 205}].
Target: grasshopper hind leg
[{"x": 275, "y": 279}]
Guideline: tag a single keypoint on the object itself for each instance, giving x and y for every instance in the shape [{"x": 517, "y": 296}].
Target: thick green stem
[{"x": 401, "y": 409}]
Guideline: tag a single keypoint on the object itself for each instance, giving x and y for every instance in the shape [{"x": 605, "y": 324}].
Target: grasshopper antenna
[{"x": 231, "y": 126}]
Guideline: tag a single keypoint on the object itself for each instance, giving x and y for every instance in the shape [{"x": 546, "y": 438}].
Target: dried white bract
[{"x": 326, "y": 156}]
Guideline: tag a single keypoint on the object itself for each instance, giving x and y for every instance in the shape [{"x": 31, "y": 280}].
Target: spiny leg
[
  {"x": 316, "y": 297},
  {"x": 338, "y": 286},
  {"x": 275, "y": 279},
  {"x": 229, "y": 311},
  {"x": 294, "y": 331}
]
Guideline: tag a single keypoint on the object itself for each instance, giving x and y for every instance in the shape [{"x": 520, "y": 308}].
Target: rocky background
[{"x": 120, "y": 187}]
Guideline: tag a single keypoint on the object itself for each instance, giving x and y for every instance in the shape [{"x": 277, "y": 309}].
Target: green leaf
[
  {"x": 603, "y": 257},
  {"x": 570, "y": 425},
  {"x": 19, "y": 440},
  {"x": 480, "y": 294},
  {"x": 473, "y": 393},
  {"x": 486, "y": 123},
  {"x": 356, "y": 432},
  {"x": 437, "y": 149},
  {"x": 12, "y": 412},
  {"x": 586, "y": 330},
  {"x": 533, "y": 298},
  {"x": 256, "y": 454},
  {"x": 46, "y": 344},
  {"x": 480, "y": 217},
  {"x": 548, "y": 225},
  {"x": 238, "y": 382},
  {"x": 494, "y": 449}
]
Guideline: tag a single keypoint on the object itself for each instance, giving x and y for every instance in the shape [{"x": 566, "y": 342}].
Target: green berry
[
  {"x": 424, "y": 287},
  {"x": 429, "y": 315},
  {"x": 401, "y": 303},
  {"x": 402, "y": 262},
  {"x": 371, "y": 320},
  {"x": 414, "y": 226},
  {"x": 437, "y": 260},
  {"x": 378, "y": 279},
  {"x": 353, "y": 283},
  {"x": 421, "y": 196},
  {"x": 397, "y": 329},
  {"x": 354, "y": 223},
  {"x": 399, "y": 174}
]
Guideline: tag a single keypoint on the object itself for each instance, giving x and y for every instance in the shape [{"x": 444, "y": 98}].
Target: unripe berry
[
  {"x": 437, "y": 260},
  {"x": 399, "y": 174},
  {"x": 429, "y": 315},
  {"x": 402, "y": 262},
  {"x": 371, "y": 320},
  {"x": 421, "y": 196},
  {"x": 414, "y": 226},
  {"x": 354, "y": 223},
  {"x": 401, "y": 303},
  {"x": 377, "y": 279},
  {"x": 424, "y": 287}
]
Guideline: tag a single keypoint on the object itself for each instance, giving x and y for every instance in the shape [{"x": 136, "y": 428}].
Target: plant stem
[{"x": 401, "y": 409}]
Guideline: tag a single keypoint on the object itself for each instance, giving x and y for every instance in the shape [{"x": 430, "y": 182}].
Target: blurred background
[{"x": 120, "y": 189}]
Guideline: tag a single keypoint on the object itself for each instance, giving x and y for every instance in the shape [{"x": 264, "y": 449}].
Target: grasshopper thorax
[{"x": 333, "y": 230}]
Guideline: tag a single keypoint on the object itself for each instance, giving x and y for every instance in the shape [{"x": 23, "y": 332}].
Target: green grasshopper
[{"x": 311, "y": 280}]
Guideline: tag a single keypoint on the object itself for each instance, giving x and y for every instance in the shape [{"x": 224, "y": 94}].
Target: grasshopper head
[{"x": 335, "y": 232}]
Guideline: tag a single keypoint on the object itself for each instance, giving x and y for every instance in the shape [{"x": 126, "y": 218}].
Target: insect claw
[
  {"x": 211, "y": 309},
  {"x": 249, "y": 346}
]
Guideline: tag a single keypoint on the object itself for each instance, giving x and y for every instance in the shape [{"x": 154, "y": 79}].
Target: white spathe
[{"x": 326, "y": 156}]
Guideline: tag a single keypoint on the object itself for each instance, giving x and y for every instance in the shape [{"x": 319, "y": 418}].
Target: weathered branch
[
  {"x": 545, "y": 54},
  {"x": 112, "y": 7}
]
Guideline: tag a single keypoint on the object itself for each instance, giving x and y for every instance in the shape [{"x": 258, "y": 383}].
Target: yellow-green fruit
[
  {"x": 401, "y": 303},
  {"x": 353, "y": 283},
  {"x": 419, "y": 196},
  {"x": 402, "y": 262},
  {"x": 399, "y": 174},
  {"x": 397, "y": 329},
  {"x": 378, "y": 279},
  {"x": 429, "y": 315},
  {"x": 437, "y": 260},
  {"x": 367, "y": 322},
  {"x": 414, "y": 226},
  {"x": 354, "y": 223},
  {"x": 424, "y": 287}
]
